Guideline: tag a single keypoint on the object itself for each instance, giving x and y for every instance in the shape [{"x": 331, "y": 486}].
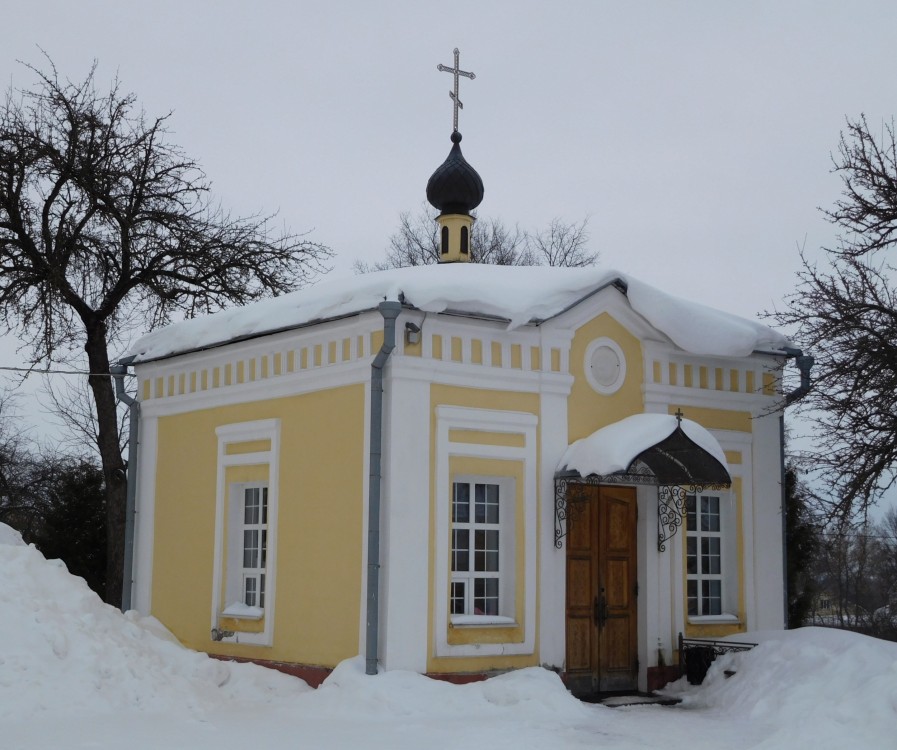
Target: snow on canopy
[
  {"x": 518, "y": 295},
  {"x": 613, "y": 448}
]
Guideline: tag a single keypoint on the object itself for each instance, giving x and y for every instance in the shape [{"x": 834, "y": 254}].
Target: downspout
[
  {"x": 804, "y": 363},
  {"x": 390, "y": 311},
  {"x": 118, "y": 372}
]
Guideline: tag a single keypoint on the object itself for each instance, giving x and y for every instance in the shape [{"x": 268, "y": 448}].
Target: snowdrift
[
  {"x": 63, "y": 651},
  {"x": 818, "y": 687},
  {"x": 72, "y": 666}
]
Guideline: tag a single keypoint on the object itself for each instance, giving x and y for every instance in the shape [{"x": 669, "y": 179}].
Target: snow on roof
[
  {"x": 518, "y": 295},
  {"x": 613, "y": 448}
]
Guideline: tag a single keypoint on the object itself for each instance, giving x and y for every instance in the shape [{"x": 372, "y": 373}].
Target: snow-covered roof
[
  {"x": 612, "y": 449},
  {"x": 518, "y": 295}
]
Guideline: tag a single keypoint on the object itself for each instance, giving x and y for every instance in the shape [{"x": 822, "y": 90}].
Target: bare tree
[
  {"x": 103, "y": 220},
  {"x": 845, "y": 313},
  {"x": 417, "y": 243},
  {"x": 562, "y": 244}
]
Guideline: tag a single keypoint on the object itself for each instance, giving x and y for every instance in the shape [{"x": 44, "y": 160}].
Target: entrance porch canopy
[
  {"x": 677, "y": 451},
  {"x": 678, "y": 455}
]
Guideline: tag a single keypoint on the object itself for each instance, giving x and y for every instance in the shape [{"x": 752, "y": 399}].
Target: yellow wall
[
  {"x": 587, "y": 410},
  {"x": 317, "y": 606}
]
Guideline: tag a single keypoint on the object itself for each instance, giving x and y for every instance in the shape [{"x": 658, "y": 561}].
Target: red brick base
[
  {"x": 660, "y": 676},
  {"x": 314, "y": 676}
]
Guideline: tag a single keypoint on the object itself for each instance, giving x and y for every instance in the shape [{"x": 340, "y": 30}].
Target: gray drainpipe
[
  {"x": 804, "y": 363},
  {"x": 390, "y": 311},
  {"x": 118, "y": 372}
]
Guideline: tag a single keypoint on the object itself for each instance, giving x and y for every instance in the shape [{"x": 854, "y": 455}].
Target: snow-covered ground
[{"x": 75, "y": 673}]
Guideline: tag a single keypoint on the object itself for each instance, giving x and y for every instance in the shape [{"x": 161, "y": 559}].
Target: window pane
[
  {"x": 711, "y": 598},
  {"x": 485, "y": 550},
  {"x": 251, "y": 508},
  {"x": 264, "y": 548},
  {"x": 709, "y": 513},
  {"x": 486, "y": 503},
  {"x": 250, "y": 548},
  {"x": 710, "y": 557},
  {"x": 691, "y": 558},
  {"x": 690, "y": 524},
  {"x": 460, "y": 550},
  {"x": 693, "y": 597},
  {"x": 485, "y": 596},
  {"x": 457, "y": 598},
  {"x": 249, "y": 591},
  {"x": 461, "y": 503},
  {"x": 264, "y": 505},
  {"x": 492, "y": 551},
  {"x": 262, "y": 590}
]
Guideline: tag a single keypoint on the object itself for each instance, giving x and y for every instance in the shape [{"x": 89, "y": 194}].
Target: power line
[{"x": 33, "y": 371}]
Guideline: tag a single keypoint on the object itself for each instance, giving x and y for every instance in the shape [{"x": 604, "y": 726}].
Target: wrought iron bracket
[
  {"x": 568, "y": 504},
  {"x": 672, "y": 503}
]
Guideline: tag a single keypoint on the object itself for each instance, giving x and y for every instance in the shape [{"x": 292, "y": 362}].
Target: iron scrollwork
[
  {"x": 672, "y": 507},
  {"x": 569, "y": 497}
]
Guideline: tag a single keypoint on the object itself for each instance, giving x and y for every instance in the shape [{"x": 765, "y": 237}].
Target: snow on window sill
[
  {"x": 712, "y": 619},
  {"x": 480, "y": 621},
  {"x": 241, "y": 611}
]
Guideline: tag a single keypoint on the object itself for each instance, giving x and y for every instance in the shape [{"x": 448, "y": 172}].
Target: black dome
[{"x": 455, "y": 187}]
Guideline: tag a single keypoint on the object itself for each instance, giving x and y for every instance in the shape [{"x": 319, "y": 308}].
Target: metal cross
[
  {"x": 679, "y": 416},
  {"x": 456, "y": 71}
]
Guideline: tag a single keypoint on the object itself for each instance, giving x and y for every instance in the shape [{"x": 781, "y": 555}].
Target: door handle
[{"x": 600, "y": 610}]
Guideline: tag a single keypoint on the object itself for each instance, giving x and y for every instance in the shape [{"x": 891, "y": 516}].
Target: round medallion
[{"x": 605, "y": 366}]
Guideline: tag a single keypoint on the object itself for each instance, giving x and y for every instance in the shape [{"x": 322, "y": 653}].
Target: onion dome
[{"x": 455, "y": 187}]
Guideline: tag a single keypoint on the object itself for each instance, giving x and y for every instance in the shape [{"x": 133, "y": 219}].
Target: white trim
[
  {"x": 291, "y": 384},
  {"x": 481, "y": 376},
  {"x": 240, "y": 432},
  {"x": 451, "y": 418},
  {"x": 481, "y": 621}
]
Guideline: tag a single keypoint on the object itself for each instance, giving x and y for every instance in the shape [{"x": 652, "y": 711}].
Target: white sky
[{"x": 696, "y": 135}]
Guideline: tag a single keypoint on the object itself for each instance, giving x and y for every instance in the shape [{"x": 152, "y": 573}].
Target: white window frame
[
  {"x": 727, "y": 575},
  {"x": 504, "y": 572},
  {"x": 493, "y": 421},
  {"x": 228, "y": 570},
  {"x": 237, "y": 573}
]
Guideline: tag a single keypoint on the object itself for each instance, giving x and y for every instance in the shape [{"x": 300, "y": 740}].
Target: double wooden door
[{"x": 602, "y": 590}]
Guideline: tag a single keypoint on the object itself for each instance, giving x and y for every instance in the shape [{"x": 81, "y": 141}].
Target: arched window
[
  {"x": 445, "y": 247},
  {"x": 465, "y": 241}
]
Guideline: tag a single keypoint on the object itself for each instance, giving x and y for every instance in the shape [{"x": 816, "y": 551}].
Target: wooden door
[{"x": 602, "y": 646}]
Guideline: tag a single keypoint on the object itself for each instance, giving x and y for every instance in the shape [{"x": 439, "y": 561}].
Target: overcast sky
[{"x": 697, "y": 136}]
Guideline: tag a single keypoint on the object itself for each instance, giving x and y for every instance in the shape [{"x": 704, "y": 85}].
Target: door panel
[{"x": 602, "y": 647}]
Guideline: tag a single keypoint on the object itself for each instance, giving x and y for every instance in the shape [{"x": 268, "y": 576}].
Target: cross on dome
[{"x": 456, "y": 72}]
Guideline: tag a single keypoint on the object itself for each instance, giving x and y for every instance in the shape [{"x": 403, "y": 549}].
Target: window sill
[
  {"x": 713, "y": 619},
  {"x": 482, "y": 621},
  {"x": 243, "y": 612}
]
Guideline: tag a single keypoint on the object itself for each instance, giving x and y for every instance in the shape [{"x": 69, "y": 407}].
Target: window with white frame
[
  {"x": 481, "y": 547},
  {"x": 245, "y": 575},
  {"x": 707, "y": 555},
  {"x": 247, "y": 554},
  {"x": 255, "y": 545}
]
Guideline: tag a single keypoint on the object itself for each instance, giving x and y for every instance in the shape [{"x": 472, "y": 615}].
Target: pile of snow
[
  {"x": 76, "y": 673},
  {"x": 518, "y": 295},
  {"x": 816, "y": 687},
  {"x": 63, "y": 651}
]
